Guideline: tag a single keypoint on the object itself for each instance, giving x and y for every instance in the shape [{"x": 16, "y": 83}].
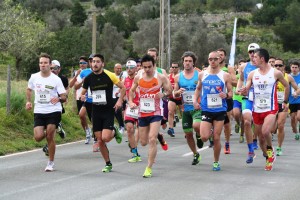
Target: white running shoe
[
  {"x": 88, "y": 136},
  {"x": 50, "y": 166}
]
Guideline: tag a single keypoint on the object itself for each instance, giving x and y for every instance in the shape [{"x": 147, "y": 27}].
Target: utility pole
[
  {"x": 94, "y": 41},
  {"x": 164, "y": 35}
]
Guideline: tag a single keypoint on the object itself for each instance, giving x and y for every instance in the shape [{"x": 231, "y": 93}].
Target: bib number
[
  {"x": 263, "y": 101},
  {"x": 43, "y": 97},
  {"x": 214, "y": 101},
  {"x": 99, "y": 97},
  {"x": 134, "y": 113},
  {"x": 147, "y": 105},
  {"x": 280, "y": 97},
  {"x": 188, "y": 97}
]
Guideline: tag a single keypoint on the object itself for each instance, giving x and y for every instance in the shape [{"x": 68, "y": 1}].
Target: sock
[
  {"x": 108, "y": 163},
  {"x": 250, "y": 148}
]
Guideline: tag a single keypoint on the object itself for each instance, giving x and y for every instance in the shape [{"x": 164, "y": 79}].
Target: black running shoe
[
  {"x": 45, "y": 149},
  {"x": 197, "y": 158},
  {"x": 199, "y": 142}
]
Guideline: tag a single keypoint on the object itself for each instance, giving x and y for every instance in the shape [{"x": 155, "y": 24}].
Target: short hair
[
  {"x": 242, "y": 60},
  {"x": 147, "y": 58},
  {"x": 272, "y": 57},
  {"x": 295, "y": 63},
  {"x": 153, "y": 50},
  {"x": 221, "y": 49},
  {"x": 45, "y": 55},
  {"x": 278, "y": 59},
  {"x": 99, "y": 56},
  {"x": 84, "y": 58},
  {"x": 189, "y": 54},
  {"x": 263, "y": 53}
]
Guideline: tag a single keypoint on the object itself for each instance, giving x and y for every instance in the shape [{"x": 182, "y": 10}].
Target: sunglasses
[
  {"x": 278, "y": 65},
  {"x": 130, "y": 67},
  {"x": 174, "y": 67},
  {"x": 83, "y": 63},
  {"x": 54, "y": 68},
  {"x": 213, "y": 59},
  {"x": 251, "y": 51}
]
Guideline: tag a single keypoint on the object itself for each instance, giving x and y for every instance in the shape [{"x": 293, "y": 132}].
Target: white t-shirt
[{"x": 45, "y": 89}]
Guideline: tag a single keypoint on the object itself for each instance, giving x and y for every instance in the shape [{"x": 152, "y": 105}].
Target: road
[{"x": 78, "y": 173}]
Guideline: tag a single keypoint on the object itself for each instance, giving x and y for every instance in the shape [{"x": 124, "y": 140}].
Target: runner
[
  {"x": 184, "y": 86},
  {"x": 247, "y": 103},
  {"x": 282, "y": 114},
  {"x": 212, "y": 85},
  {"x": 131, "y": 115},
  {"x": 49, "y": 93},
  {"x": 265, "y": 102},
  {"x": 101, "y": 84},
  {"x": 150, "y": 84},
  {"x": 173, "y": 102}
]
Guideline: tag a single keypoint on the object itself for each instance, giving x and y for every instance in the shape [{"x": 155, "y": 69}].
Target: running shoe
[
  {"x": 61, "y": 131},
  {"x": 174, "y": 123},
  {"x": 199, "y": 142},
  {"x": 197, "y": 158},
  {"x": 278, "y": 151},
  {"x": 46, "y": 150},
  {"x": 255, "y": 146},
  {"x": 269, "y": 165},
  {"x": 237, "y": 128},
  {"x": 96, "y": 147},
  {"x": 147, "y": 173},
  {"x": 227, "y": 149},
  {"x": 107, "y": 168},
  {"x": 50, "y": 166},
  {"x": 176, "y": 118},
  {"x": 297, "y": 136},
  {"x": 250, "y": 158},
  {"x": 88, "y": 136},
  {"x": 118, "y": 135},
  {"x": 163, "y": 143},
  {"x": 216, "y": 166},
  {"x": 242, "y": 139},
  {"x": 122, "y": 130},
  {"x": 171, "y": 132},
  {"x": 135, "y": 159},
  {"x": 271, "y": 155}
]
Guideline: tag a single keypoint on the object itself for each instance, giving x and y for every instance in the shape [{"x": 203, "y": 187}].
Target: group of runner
[{"x": 255, "y": 97}]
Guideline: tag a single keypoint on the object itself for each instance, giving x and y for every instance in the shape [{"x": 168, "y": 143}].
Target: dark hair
[
  {"x": 99, "y": 56},
  {"x": 242, "y": 60},
  {"x": 295, "y": 63},
  {"x": 272, "y": 57},
  {"x": 84, "y": 58},
  {"x": 189, "y": 54},
  {"x": 263, "y": 53},
  {"x": 147, "y": 58},
  {"x": 45, "y": 55},
  {"x": 221, "y": 49}
]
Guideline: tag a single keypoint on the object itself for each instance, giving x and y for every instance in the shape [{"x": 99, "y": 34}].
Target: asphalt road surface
[{"x": 78, "y": 173}]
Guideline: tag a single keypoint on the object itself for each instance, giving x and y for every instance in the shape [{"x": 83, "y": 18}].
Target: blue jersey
[
  {"x": 293, "y": 100},
  {"x": 249, "y": 68},
  {"x": 190, "y": 86},
  {"x": 212, "y": 85},
  {"x": 84, "y": 73}
]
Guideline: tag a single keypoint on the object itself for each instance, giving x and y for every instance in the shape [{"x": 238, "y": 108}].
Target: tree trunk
[{"x": 18, "y": 68}]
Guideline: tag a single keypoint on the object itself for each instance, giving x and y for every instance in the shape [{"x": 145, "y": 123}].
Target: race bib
[
  {"x": 187, "y": 97},
  {"x": 263, "y": 101},
  {"x": 43, "y": 97},
  {"x": 147, "y": 105},
  {"x": 214, "y": 101},
  {"x": 99, "y": 97},
  {"x": 280, "y": 97},
  {"x": 134, "y": 113}
]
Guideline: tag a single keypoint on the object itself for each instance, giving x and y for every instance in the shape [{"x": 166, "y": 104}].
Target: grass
[{"x": 16, "y": 130}]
